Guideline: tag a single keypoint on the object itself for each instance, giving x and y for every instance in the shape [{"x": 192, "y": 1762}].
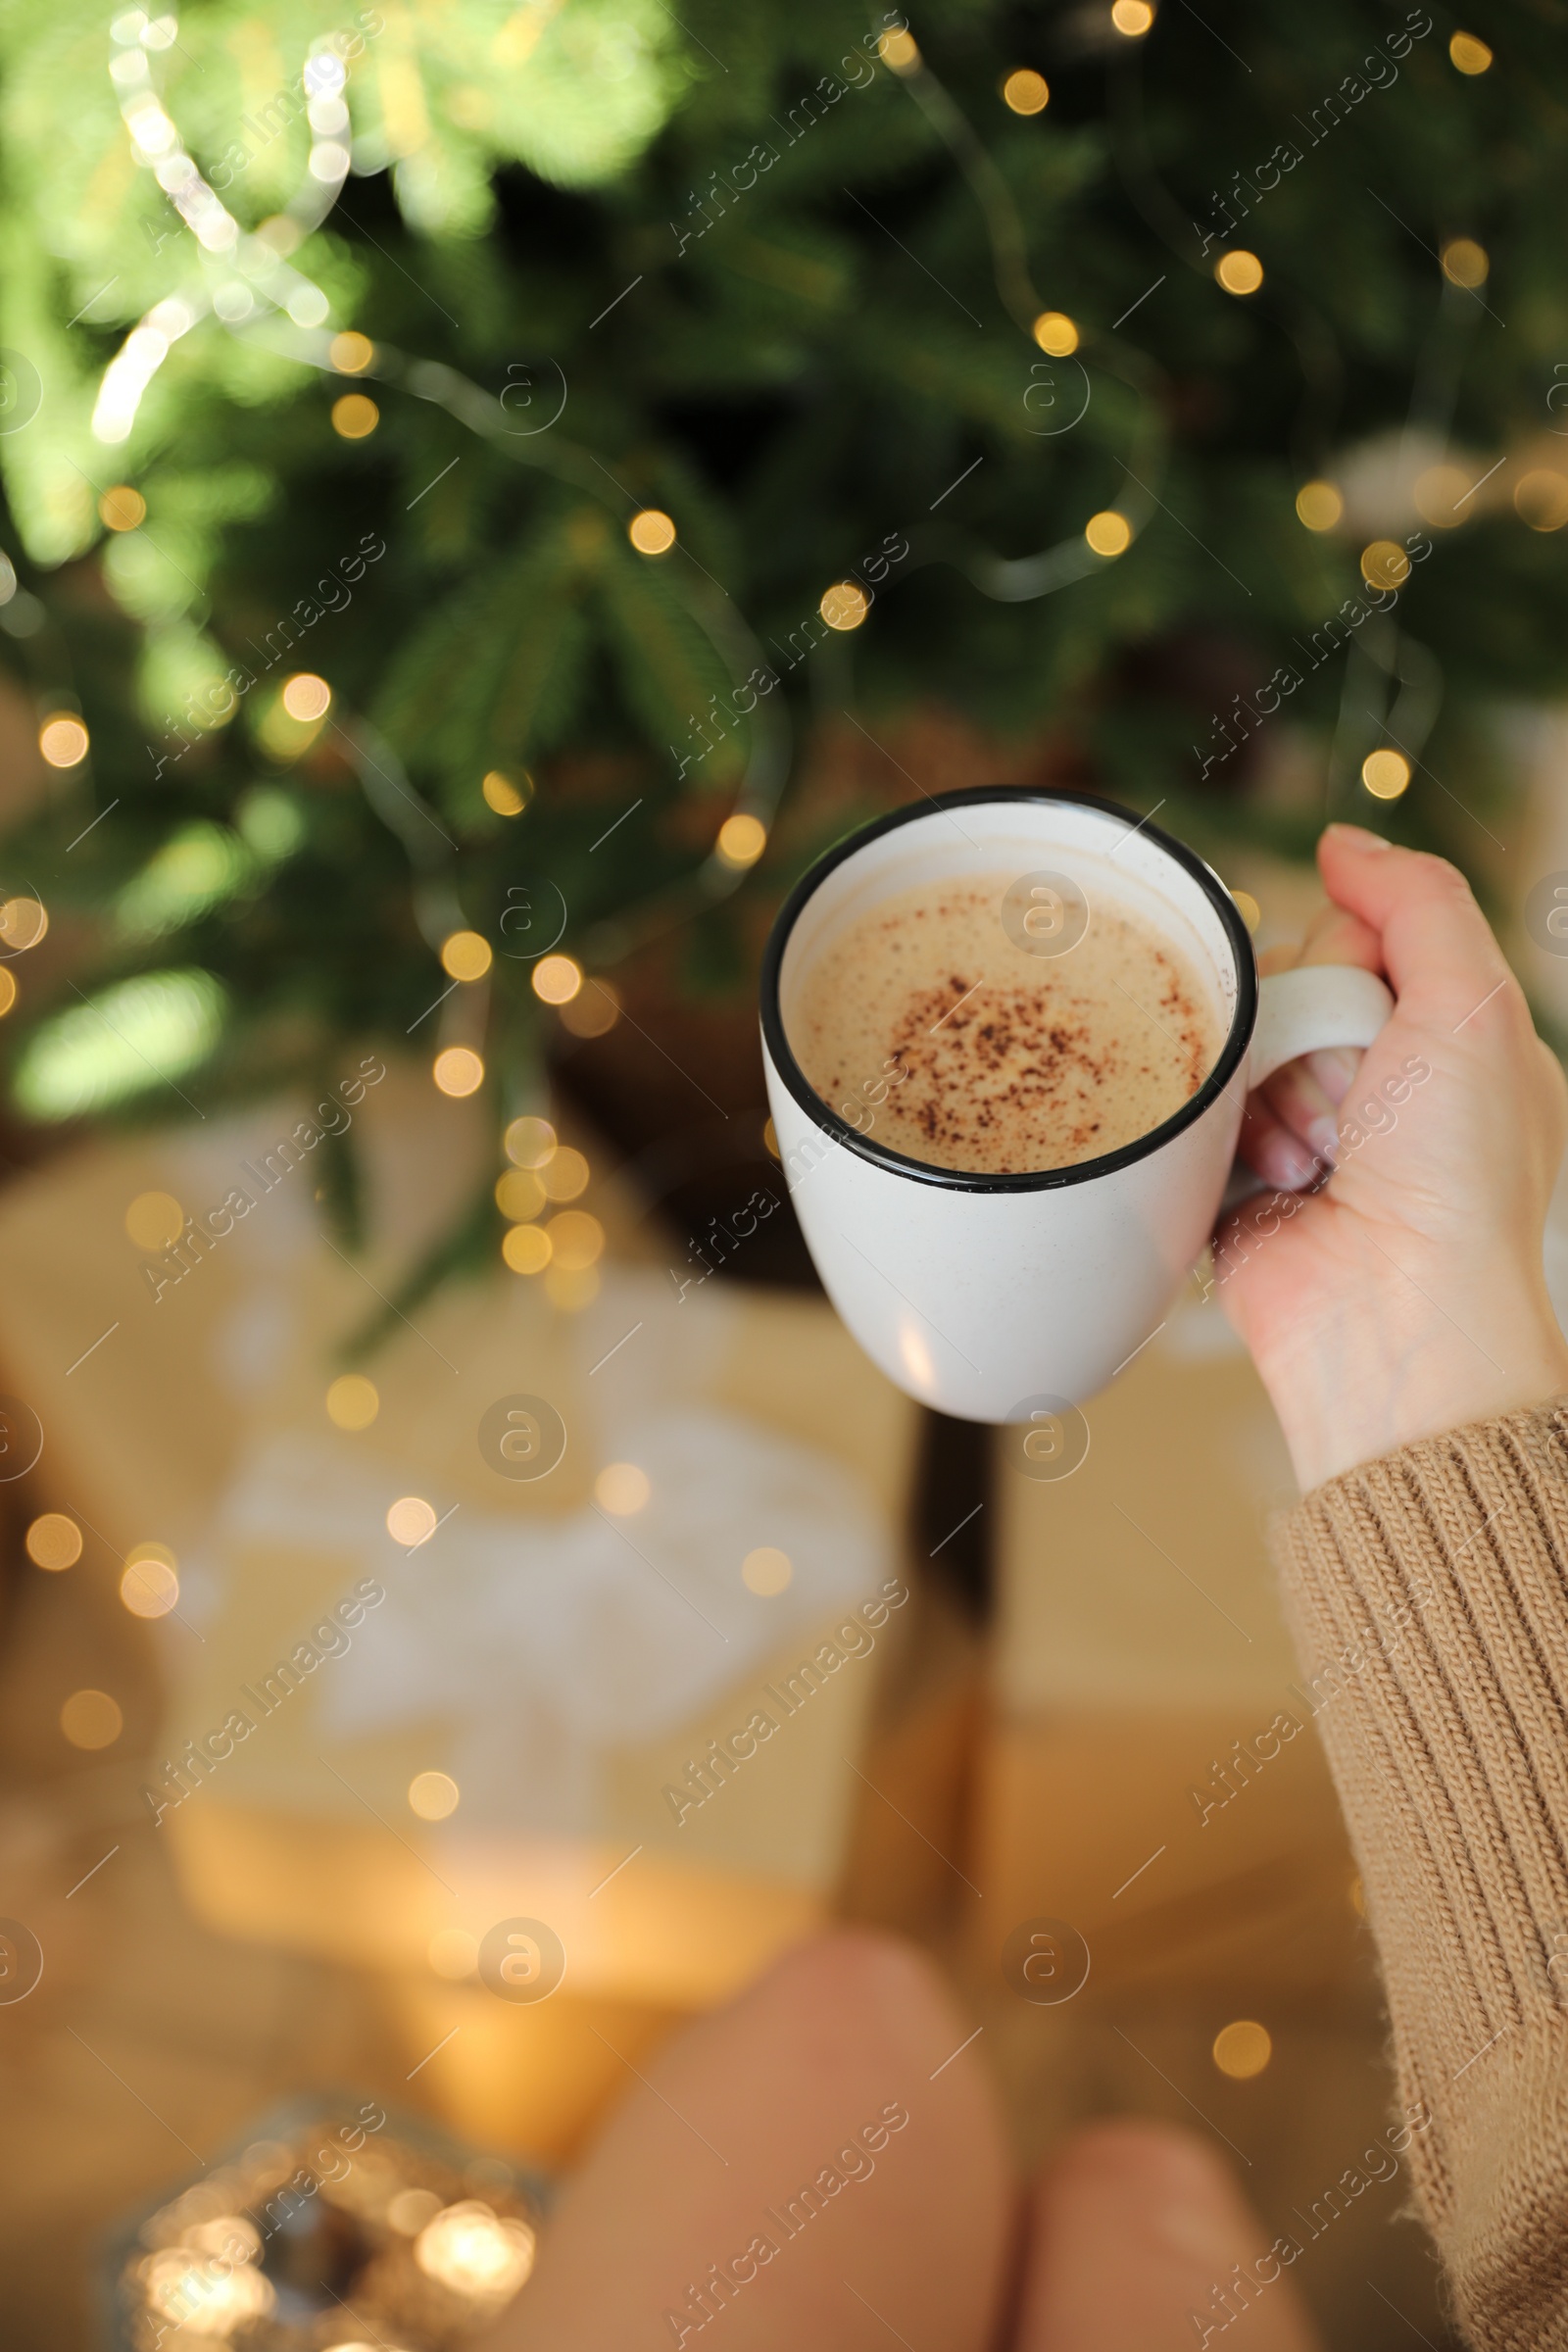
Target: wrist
[{"x": 1388, "y": 1382}]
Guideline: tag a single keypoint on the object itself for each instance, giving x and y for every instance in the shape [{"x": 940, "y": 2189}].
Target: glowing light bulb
[
  {"x": 457, "y": 1070},
  {"x": 742, "y": 839},
  {"x": 1055, "y": 333},
  {"x": 433, "y": 1795},
  {"x": 355, "y": 416},
  {"x": 1465, "y": 262},
  {"x": 651, "y": 532},
  {"x": 621, "y": 1488},
  {"x": 505, "y": 796},
  {"x": 1320, "y": 506},
  {"x": 353, "y": 1401},
  {"x": 1243, "y": 2049},
  {"x": 469, "y": 2248},
  {"x": 1386, "y": 774},
  {"x": 411, "y": 1521},
  {"x": 845, "y": 604},
  {"x": 63, "y": 739},
  {"x": 1108, "y": 533},
  {"x": 766, "y": 1571},
  {"x": 1239, "y": 272},
  {"x": 54, "y": 1541},
  {"x": 1025, "y": 92},
  {"x": 466, "y": 956},
  {"x": 557, "y": 979}
]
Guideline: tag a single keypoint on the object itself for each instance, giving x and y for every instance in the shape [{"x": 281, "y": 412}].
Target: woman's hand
[{"x": 1408, "y": 1296}]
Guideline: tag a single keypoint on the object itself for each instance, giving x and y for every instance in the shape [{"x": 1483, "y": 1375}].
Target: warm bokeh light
[
  {"x": 149, "y": 1586},
  {"x": 564, "y": 1174},
  {"x": 54, "y": 1541},
  {"x": 621, "y": 1488},
  {"x": 519, "y": 1195},
  {"x": 845, "y": 604},
  {"x": 305, "y": 696},
  {"x": 351, "y": 353},
  {"x": 23, "y": 922},
  {"x": 651, "y": 532},
  {"x": 766, "y": 1570},
  {"x": 770, "y": 1140},
  {"x": 526, "y": 1248},
  {"x": 1055, "y": 333},
  {"x": 410, "y": 2210},
  {"x": 1247, "y": 908},
  {"x": 457, "y": 1070},
  {"x": 557, "y": 979},
  {"x": 63, "y": 739},
  {"x": 186, "y": 2285},
  {"x": 1470, "y": 55},
  {"x": 1540, "y": 498},
  {"x": 1438, "y": 493},
  {"x": 355, "y": 416},
  {"x": 122, "y": 509},
  {"x": 1133, "y": 17},
  {"x": 1386, "y": 774},
  {"x": 469, "y": 2249},
  {"x": 353, "y": 1401},
  {"x": 899, "y": 50},
  {"x": 742, "y": 839},
  {"x": 1025, "y": 91},
  {"x": 1320, "y": 506},
  {"x": 572, "y": 1288},
  {"x": 455, "y": 1954},
  {"x": 1243, "y": 2049},
  {"x": 91, "y": 1719},
  {"x": 411, "y": 1521},
  {"x": 508, "y": 798},
  {"x": 8, "y": 991},
  {"x": 1465, "y": 262},
  {"x": 466, "y": 956},
  {"x": 576, "y": 1238},
  {"x": 1384, "y": 565},
  {"x": 1108, "y": 533},
  {"x": 433, "y": 1795},
  {"x": 528, "y": 1143},
  {"x": 593, "y": 1012},
  {"x": 1240, "y": 272},
  {"x": 155, "y": 1220}
]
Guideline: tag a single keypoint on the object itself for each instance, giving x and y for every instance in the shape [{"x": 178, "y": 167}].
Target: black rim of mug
[{"x": 1033, "y": 1180}]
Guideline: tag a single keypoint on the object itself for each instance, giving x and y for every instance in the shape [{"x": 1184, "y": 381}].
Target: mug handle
[
  {"x": 1317, "y": 1005},
  {"x": 1302, "y": 1011}
]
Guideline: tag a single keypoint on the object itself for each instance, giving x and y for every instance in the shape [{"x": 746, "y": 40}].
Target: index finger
[{"x": 1435, "y": 944}]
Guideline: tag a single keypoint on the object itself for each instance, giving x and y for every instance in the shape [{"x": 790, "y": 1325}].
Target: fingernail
[
  {"x": 1324, "y": 1136},
  {"x": 1334, "y": 1067},
  {"x": 1359, "y": 837},
  {"x": 1297, "y": 1165}
]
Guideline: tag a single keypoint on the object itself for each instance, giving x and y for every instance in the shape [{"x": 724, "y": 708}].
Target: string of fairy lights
[{"x": 253, "y": 285}]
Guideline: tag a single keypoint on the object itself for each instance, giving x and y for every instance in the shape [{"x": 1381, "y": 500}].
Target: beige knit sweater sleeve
[{"x": 1428, "y": 1594}]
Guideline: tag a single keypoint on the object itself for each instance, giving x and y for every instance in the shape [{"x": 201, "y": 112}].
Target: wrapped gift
[
  {"x": 1151, "y": 1774},
  {"x": 582, "y": 1627}
]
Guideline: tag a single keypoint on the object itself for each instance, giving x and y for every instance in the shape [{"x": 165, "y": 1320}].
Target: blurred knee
[
  {"x": 1140, "y": 2157},
  {"x": 858, "y": 1993}
]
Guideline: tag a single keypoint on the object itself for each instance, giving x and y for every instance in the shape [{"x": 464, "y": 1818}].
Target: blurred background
[{"x": 490, "y": 493}]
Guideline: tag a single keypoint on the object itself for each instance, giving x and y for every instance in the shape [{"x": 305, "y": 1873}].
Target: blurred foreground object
[{"x": 434, "y": 1684}]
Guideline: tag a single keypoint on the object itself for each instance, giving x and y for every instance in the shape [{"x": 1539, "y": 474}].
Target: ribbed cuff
[{"x": 1428, "y": 1594}]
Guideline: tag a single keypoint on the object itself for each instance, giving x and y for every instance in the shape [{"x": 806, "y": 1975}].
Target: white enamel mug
[{"x": 983, "y": 1295}]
